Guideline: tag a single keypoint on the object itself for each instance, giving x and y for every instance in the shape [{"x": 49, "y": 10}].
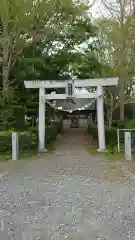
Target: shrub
[
  {"x": 52, "y": 131},
  {"x": 130, "y": 124},
  {"x": 5, "y": 142},
  {"x": 110, "y": 134},
  {"x": 25, "y": 141},
  {"x": 28, "y": 140},
  {"x": 92, "y": 130},
  {"x": 119, "y": 124}
]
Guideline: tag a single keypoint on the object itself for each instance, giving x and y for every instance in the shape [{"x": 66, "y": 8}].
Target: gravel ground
[{"x": 67, "y": 195}]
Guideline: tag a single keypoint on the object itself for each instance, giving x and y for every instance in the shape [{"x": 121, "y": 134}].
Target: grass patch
[
  {"x": 27, "y": 154},
  {"x": 51, "y": 148},
  {"x": 4, "y": 157},
  {"x": 107, "y": 155},
  {"x": 113, "y": 156}
]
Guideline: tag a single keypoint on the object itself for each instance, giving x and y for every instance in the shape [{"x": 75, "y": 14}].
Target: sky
[
  {"x": 98, "y": 9},
  {"x": 94, "y": 9}
]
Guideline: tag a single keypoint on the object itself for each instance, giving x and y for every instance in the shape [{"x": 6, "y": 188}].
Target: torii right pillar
[{"x": 100, "y": 119}]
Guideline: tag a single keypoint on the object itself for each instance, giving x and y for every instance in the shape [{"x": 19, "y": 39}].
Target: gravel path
[{"x": 67, "y": 195}]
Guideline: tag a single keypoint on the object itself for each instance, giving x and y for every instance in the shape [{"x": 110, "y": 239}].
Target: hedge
[
  {"x": 28, "y": 140},
  {"x": 110, "y": 134},
  {"x": 92, "y": 130},
  {"x": 25, "y": 141}
]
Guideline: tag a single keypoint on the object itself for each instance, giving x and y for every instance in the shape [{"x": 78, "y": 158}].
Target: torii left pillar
[
  {"x": 100, "y": 119},
  {"x": 41, "y": 120}
]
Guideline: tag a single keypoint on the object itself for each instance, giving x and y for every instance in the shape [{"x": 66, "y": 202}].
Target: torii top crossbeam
[{"x": 77, "y": 83}]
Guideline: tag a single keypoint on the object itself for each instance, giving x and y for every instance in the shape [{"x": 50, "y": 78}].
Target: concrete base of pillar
[
  {"x": 102, "y": 150},
  {"x": 43, "y": 151}
]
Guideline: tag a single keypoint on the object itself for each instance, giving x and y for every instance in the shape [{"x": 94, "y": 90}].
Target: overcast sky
[{"x": 99, "y": 10}]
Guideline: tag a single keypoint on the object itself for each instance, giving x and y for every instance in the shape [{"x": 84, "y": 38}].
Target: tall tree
[
  {"x": 24, "y": 21},
  {"x": 117, "y": 45},
  {"x": 49, "y": 51},
  {"x": 34, "y": 27}
]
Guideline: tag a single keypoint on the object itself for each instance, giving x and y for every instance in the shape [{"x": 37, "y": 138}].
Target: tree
[
  {"x": 30, "y": 25},
  {"x": 24, "y": 21},
  {"x": 48, "y": 55},
  {"x": 117, "y": 46}
]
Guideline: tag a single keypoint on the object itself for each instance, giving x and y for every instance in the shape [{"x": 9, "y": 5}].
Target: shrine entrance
[{"x": 70, "y": 95}]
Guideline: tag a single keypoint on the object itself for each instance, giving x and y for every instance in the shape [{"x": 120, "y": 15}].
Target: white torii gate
[{"x": 72, "y": 84}]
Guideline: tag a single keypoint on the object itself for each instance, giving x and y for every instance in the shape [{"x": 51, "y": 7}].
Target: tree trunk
[
  {"x": 110, "y": 119},
  {"x": 122, "y": 98},
  {"x": 5, "y": 83},
  {"x": 6, "y": 64},
  {"x": 123, "y": 62}
]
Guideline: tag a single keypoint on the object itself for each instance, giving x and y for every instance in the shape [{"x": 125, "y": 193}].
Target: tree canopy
[{"x": 58, "y": 40}]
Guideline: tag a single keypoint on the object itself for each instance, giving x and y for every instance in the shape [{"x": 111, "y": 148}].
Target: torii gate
[{"x": 70, "y": 86}]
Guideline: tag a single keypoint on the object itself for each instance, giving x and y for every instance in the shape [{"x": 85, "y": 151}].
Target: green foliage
[
  {"x": 12, "y": 117},
  {"x": 38, "y": 39},
  {"x": 28, "y": 140},
  {"x": 119, "y": 124},
  {"x": 110, "y": 135},
  {"x": 128, "y": 112},
  {"x": 25, "y": 141},
  {"x": 46, "y": 42},
  {"x": 116, "y": 43},
  {"x": 92, "y": 130},
  {"x": 52, "y": 132},
  {"x": 127, "y": 124},
  {"x": 130, "y": 124},
  {"x": 45, "y": 46}
]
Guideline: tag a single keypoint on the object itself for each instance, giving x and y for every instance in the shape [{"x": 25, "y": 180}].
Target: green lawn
[{"x": 107, "y": 155}]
